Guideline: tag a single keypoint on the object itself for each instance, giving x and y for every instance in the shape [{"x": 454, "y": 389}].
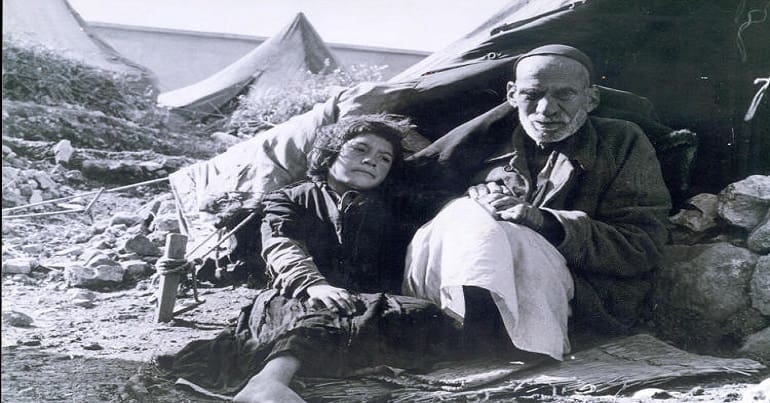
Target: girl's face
[{"x": 362, "y": 164}]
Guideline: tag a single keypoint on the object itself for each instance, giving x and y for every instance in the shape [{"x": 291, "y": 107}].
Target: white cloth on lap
[{"x": 526, "y": 276}]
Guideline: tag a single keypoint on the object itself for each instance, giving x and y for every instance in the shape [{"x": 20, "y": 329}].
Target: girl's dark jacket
[{"x": 311, "y": 236}]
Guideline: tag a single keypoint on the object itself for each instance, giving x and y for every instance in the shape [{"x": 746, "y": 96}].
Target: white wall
[{"x": 180, "y": 58}]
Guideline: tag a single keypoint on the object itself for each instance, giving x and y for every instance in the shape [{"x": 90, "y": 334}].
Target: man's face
[
  {"x": 362, "y": 164},
  {"x": 552, "y": 96}
]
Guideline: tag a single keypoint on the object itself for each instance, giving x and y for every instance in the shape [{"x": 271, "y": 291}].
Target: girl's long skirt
[{"x": 397, "y": 331}]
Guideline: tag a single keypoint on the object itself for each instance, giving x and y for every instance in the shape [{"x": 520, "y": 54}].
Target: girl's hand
[{"x": 334, "y": 298}]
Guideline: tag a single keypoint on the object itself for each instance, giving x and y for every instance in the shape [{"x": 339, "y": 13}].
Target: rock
[
  {"x": 166, "y": 206},
  {"x": 166, "y": 223},
  {"x": 102, "y": 241},
  {"x": 74, "y": 251},
  {"x": 44, "y": 181},
  {"x": 100, "y": 259},
  {"x": 93, "y": 346},
  {"x": 93, "y": 277},
  {"x": 759, "y": 238},
  {"x": 18, "y": 266},
  {"x": 703, "y": 217},
  {"x": 10, "y": 175},
  {"x": 141, "y": 245},
  {"x": 109, "y": 273},
  {"x": 745, "y": 203},
  {"x": 12, "y": 197},
  {"x": 151, "y": 166},
  {"x": 32, "y": 249},
  {"x": 700, "y": 296},
  {"x": 651, "y": 393},
  {"x": 225, "y": 139},
  {"x": 31, "y": 342},
  {"x": 99, "y": 227},
  {"x": 760, "y": 285},
  {"x": 62, "y": 152},
  {"x": 710, "y": 279},
  {"x": 136, "y": 269},
  {"x": 82, "y": 298},
  {"x": 126, "y": 218},
  {"x": 757, "y": 345},
  {"x": 78, "y": 276},
  {"x": 36, "y": 196},
  {"x": 17, "y": 319}
]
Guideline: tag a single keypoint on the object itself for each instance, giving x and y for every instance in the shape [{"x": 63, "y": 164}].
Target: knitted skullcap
[{"x": 560, "y": 50}]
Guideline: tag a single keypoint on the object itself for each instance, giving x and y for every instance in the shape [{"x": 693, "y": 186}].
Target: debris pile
[
  {"x": 48, "y": 97},
  {"x": 713, "y": 291},
  {"x": 116, "y": 252},
  {"x": 26, "y": 182}
]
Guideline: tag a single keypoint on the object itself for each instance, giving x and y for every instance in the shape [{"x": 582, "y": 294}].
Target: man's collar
[{"x": 580, "y": 147}]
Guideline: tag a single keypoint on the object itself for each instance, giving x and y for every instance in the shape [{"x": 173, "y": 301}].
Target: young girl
[{"x": 326, "y": 242}]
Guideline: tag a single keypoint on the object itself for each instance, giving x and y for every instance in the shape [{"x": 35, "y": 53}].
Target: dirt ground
[{"x": 72, "y": 353}]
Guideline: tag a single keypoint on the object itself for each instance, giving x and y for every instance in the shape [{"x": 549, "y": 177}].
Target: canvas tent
[
  {"x": 55, "y": 25},
  {"x": 679, "y": 56},
  {"x": 283, "y": 58}
]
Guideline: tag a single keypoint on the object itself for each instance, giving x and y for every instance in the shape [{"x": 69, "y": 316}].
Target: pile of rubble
[
  {"x": 118, "y": 252},
  {"x": 713, "y": 292}
]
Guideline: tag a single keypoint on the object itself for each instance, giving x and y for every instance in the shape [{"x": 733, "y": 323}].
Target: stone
[
  {"x": 93, "y": 346},
  {"x": 99, "y": 227},
  {"x": 710, "y": 279},
  {"x": 18, "y": 266},
  {"x": 701, "y": 296},
  {"x": 10, "y": 175},
  {"x": 225, "y": 139},
  {"x": 139, "y": 244},
  {"x": 32, "y": 249},
  {"x": 759, "y": 238},
  {"x": 17, "y": 319},
  {"x": 136, "y": 269},
  {"x": 151, "y": 166},
  {"x": 109, "y": 273},
  {"x": 44, "y": 181},
  {"x": 703, "y": 217},
  {"x": 166, "y": 223},
  {"x": 82, "y": 298},
  {"x": 74, "y": 251},
  {"x": 760, "y": 286},
  {"x": 126, "y": 218},
  {"x": 36, "y": 196},
  {"x": 62, "y": 152},
  {"x": 12, "y": 197},
  {"x": 745, "y": 203},
  {"x": 651, "y": 393},
  {"x": 93, "y": 277},
  {"x": 757, "y": 345},
  {"x": 102, "y": 241},
  {"x": 100, "y": 259},
  {"x": 25, "y": 189},
  {"x": 166, "y": 206}
]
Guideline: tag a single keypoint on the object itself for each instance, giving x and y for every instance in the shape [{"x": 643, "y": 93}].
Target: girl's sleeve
[{"x": 289, "y": 265}]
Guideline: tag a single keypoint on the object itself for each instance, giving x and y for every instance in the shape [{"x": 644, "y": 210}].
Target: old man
[{"x": 563, "y": 215}]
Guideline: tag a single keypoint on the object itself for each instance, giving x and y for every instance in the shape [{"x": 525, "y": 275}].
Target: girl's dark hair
[{"x": 330, "y": 138}]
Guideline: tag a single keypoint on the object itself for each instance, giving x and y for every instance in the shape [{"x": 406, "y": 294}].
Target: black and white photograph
[{"x": 385, "y": 201}]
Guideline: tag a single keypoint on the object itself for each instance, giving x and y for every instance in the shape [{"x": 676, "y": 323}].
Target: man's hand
[
  {"x": 476, "y": 191},
  {"x": 524, "y": 214},
  {"x": 334, "y": 298},
  {"x": 493, "y": 197}
]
